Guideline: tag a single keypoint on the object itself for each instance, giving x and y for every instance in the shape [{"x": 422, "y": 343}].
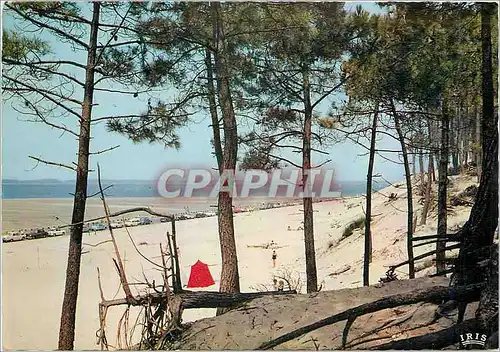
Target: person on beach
[
  {"x": 274, "y": 258},
  {"x": 281, "y": 285},
  {"x": 275, "y": 284}
]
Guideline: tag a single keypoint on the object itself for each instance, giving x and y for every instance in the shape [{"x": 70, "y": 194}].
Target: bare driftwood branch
[
  {"x": 99, "y": 192},
  {"x": 139, "y": 252},
  {"x": 449, "y": 237},
  {"x": 122, "y": 212},
  {"x": 199, "y": 299},
  {"x": 387, "y": 324},
  {"x": 97, "y": 244},
  {"x": 425, "y": 255},
  {"x": 431, "y": 242},
  {"x": 121, "y": 269},
  {"x": 175, "y": 256}
]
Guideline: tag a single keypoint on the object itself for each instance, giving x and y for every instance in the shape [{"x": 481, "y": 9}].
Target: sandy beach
[
  {"x": 34, "y": 271},
  {"x": 30, "y": 213}
]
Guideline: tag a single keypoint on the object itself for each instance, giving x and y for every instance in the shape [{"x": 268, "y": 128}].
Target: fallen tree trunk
[
  {"x": 450, "y": 237},
  {"x": 425, "y": 255},
  {"x": 199, "y": 299},
  {"x": 433, "y": 294},
  {"x": 434, "y": 241}
]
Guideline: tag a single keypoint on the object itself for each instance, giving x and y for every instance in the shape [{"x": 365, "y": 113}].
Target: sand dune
[{"x": 34, "y": 271}]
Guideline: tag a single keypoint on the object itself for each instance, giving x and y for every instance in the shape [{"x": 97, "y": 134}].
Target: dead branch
[
  {"x": 197, "y": 299},
  {"x": 433, "y": 294},
  {"x": 139, "y": 252},
  {"x": 99, "y": 192},
  {"x": 425, "y": 255},
  {"x": 450, "y": 237},
  {"x": 104, "y": 150},
  {"x": 121, "y": 269},
  {"x": 172, "y": 265},
  {"x": 165, "y": 274},
  {"x": 100, "y": 285},
  {"x": 435, "y": 241},
  {"x": 385, "y": 337},
  {"x": 384, "y": 326},
  {"x": 98, "y": 244},
  {"x": 51, "y": 163},
  {"x": 175, "y": 258},
  {"x": 122, "y": 212},
  {"x": 42, "y": 119}
]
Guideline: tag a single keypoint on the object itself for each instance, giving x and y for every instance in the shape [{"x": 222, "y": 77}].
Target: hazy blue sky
[{"x": 140, "y": 161}]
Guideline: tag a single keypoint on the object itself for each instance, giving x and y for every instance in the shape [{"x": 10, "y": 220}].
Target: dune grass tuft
[{"x": 359, "y": 223}]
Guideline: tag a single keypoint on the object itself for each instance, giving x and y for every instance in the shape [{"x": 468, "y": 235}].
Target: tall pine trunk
[
  {"x": 422, "y": 170},
  {"x": 414, "y": 161},
  {"x": 488, "y": 124},
  {"x": 409, "y": 238},
  {"x": 454, "y": 136},
  {"x": 311, "y": 273},
  {"x": 466, "y": 139},
  {"x": 442, "y": 186},
  {"x": 229, "y": 281},
  {"x": 68, "y": 314},
  {"x": 212, "y": 104},
  {"x": 368, "y": 217},
  {"x": 478, "y": 232},
  {"x": 478, "y": 144}
]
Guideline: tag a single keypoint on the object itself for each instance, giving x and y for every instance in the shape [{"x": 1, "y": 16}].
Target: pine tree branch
[
  {"x": 45, "y": 95},
  {"x": 115, "y": 31},
  {"x": 42, "y": 119},
  {"x": 123, "y": 212},
  {"x": 104, "y": 150},
  {"x": 330, "y": 91},
  {"x": 51, "y": 163},
  {"x": 43, "y": 69},
  {"x": 47, "y": 26},
  {"x": 124, "y": 91}
]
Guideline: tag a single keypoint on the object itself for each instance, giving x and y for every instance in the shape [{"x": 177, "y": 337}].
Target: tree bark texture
[
  {"x": 369, "y": 180},
  {"x": 199, "y": 299},
  {"x": 409, "y": 191},
  {"x": 311, "y": 273},
  {"x": 229, "y": 276},
  {"x": 68, "y": 314},
  {"x": 443, "y": 185},
  {"x": 477, "y": 260},
  {"x": 478, "y": 144},
  {"x": 212, "y": 104}
]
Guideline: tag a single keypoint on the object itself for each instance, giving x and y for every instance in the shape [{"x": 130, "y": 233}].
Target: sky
[{"x": 137, "y": 161}]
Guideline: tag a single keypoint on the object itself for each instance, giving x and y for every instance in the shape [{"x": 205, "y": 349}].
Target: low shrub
[{"x": 359, "y": 223}]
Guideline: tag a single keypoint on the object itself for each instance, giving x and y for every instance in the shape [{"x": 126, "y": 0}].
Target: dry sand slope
[
  {"x": 267, "y": 318},
  {"x": 33, "y": 271}
]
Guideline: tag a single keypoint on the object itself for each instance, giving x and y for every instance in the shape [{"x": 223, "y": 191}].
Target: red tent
[{"x": 200, "y": 276}]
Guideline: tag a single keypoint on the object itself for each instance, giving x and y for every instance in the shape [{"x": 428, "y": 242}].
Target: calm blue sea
[{"x": 14, "y": 189}]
